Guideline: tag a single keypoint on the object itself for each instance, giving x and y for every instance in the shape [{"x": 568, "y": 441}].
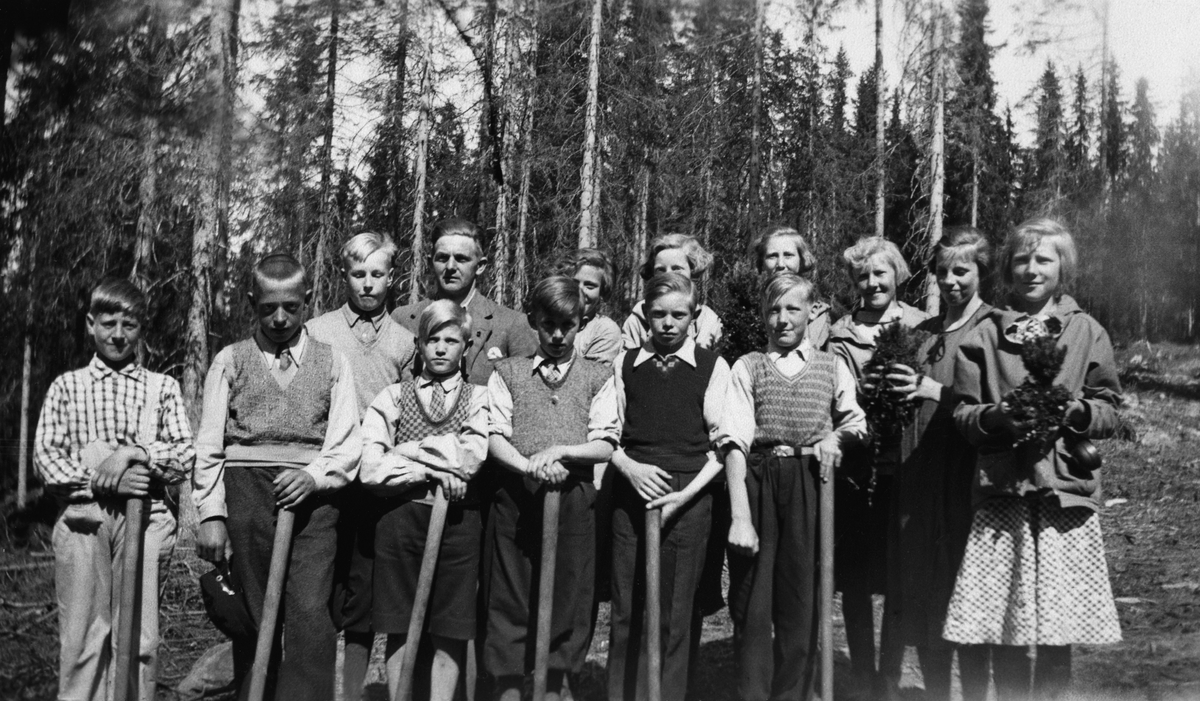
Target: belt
[{"x": 785, "y": 451}]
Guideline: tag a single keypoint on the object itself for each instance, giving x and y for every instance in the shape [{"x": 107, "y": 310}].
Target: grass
[{"x": 1151, "y": 529}]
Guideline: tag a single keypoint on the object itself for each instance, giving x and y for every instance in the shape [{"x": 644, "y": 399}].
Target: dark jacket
[
  {"x": 496, "y": 332},
  {"x": 989, "y": 366}
]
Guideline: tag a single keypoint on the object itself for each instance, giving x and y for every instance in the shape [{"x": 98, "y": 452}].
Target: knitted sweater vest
[
  {"x": 547, "y": 414},
  {"x": 415, "y": 423},
  {"x": 664, "y": 412},
  {"x": 375, "y": 365},
  {"x": 262, "y": 412},
  {"x": 793, "y": 410}
]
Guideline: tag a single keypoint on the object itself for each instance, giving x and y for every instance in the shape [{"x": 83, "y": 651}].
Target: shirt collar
[
  {"x": 686, "y": 352},
  {"x": 802, "y": 351},
  {"x": 448, "y": 384},
  {"x": 539, "y": 359},
  {"x": 296, "y": 345},
  {"x": 99, "y": 369},
  {"x": 353, "y": 317}
]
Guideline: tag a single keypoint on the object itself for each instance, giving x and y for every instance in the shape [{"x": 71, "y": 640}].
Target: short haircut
[
  {"x": 781, "y": 284},
  {"x": 857, "y": 256},
  {"x": 1028, "y": 235},
  {"x": 118, "y": 295},
  {"x": 664, "y": 284},
  {"x": 808, "y": 262},
  {"x": 361, "y": 247},
  {"x": 439, "y": 313},
  {"x": 279, "y": 267},
  {"x": 963, "y": 243},
  {"x": 455, "y": 226},
  {"x": 699, "y": 260},
  {"x": 557, "y": 297},
  {"x": 571, "y": 263}
]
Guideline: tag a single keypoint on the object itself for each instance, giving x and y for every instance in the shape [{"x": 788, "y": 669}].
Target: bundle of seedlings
[
  {"x": 1038, "y": 400},
  {"x": 888, "y": 412}
]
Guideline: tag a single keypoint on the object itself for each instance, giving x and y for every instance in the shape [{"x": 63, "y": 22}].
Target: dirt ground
[{"x": 1151, "y": 525}]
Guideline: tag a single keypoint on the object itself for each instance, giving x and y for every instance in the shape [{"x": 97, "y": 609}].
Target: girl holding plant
[
  {"x": 877, "y": 268},
  {"x": 1034, "y": 571}
]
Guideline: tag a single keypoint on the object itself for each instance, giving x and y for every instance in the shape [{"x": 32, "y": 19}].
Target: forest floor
[{"x": 1151, "y": 530}]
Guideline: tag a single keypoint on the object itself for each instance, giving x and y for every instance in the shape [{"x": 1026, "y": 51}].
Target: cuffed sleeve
[
  {"x": 738, "y": 424},
  {"x": 173, "y": 453},
  {"x": 337, "y": 464},
  {"x": 500, "y": 406},
  {"x": 208, "y": 485},
  {"x": 603, "y": 422}
]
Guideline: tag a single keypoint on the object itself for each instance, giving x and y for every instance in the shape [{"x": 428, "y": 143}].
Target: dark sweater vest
[
  {"x": 664, "y": 412},
  {"x": 262, "y": 412},
  {"x": 546, "y": 414},
  {"x": 415, "y": 423},
  {"x": 795, "y": 410}
]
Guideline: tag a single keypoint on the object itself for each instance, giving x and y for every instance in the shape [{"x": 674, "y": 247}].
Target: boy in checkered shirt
[{"x": 109, "y": 431}]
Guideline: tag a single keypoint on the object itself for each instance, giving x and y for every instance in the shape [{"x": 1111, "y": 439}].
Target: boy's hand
[
  {"x": 541, "y": 461},
  {"x": 829, "y": 454},
  {"x": 108, "y": 475},
  {"x": 670, "y": 504},
  {"x": 554, "y": 473},
  {"x": 134, "y": 482},
  {"x": 650, "y": 481},
  {"x": 293, "y": 487},
  {"x": 454, "y": 486},
  {"x": 742, "y": 537},
  {"x": 212, "y": 541}
]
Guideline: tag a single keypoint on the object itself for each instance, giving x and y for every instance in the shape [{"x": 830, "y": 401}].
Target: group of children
[{"x": 355, "y": 419}]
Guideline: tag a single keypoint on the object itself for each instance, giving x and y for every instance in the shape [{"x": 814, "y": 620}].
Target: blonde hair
[
  {"x": 860, "y": 254},
  {"x": 808, "y": 262},
  {"x": 570, "y": 264},
  {"x": 455, "y": 226},
  {"x": 699, "y": 260},
  {"x": 664, "y": 284},
  {"x": 1028, "y": 235},
  {"x": 361, "y": 247},
  {"x": 781, "y": 284},
  {"x": 440, "y": 313}
]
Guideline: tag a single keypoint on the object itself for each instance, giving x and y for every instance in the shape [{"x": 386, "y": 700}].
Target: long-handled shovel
[
  {"x": 541, "y": 651},
  {"x": 128, "y": 637},
  {"x": 827, "y": 589},
  {"x": 654, "y": 604},
  {"x": 416, "y": 623},
  {"x": 280, "y": 552}
]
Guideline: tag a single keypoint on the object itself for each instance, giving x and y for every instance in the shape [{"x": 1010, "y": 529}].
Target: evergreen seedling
[
  {"x": 889, "y": 412},
  {"x": 1038, "y": 400}
]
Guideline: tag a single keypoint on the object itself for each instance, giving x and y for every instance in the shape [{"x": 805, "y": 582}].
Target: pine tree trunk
[
  {"x": 975, "y": 188},
  {"x": 214, "y": 196},
  {"x": 325, "y": 233},
  {"x": 520, "y": 252},
  {"x": 640, "y": 237},
  {"x": 26, "y": 376},
  {"x": 147, "y": 223},
  {"x": 396, "y": 179},
  {"x": 755, "y": 168},
  {"x": 880, "y": 124},
  {"x": 424, "y": 116},
  {"x": 587, "y": 184},
  {"x": 937, "y": 154}
]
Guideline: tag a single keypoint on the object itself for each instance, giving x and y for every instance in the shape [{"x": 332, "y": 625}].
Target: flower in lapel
[{"x": 495, "y": 353}]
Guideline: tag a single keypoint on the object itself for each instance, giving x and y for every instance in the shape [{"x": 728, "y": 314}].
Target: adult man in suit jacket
[{"x": 496, "y": 332}]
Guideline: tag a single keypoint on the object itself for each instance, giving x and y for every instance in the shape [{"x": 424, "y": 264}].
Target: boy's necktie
[
  {"x": 284, "y": 356},
  {"x": 437, "y": 401},
  {"x": 553, "y": 374}
]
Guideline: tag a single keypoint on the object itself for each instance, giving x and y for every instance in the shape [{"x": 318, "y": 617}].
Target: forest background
[{"x": 174, "y": 141}]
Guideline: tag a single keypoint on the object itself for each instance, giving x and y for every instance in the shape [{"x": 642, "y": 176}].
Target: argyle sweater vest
[
  {"x": 415, "y": 423},
  {"x": 664, "y": 411},
  {"x": 261, "y": 412},
  {"x": 546, "y": 414},
  {"x": 795, "y": 410}
]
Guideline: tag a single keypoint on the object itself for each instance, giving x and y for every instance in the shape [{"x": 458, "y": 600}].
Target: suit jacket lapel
[{"x": 483, "y": 313}]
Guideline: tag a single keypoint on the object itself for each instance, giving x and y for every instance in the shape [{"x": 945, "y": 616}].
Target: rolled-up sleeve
[
  {"x": 208, "y": 485},
  {"x": 172, "y": 453},
  {"x": 603, "y": 419},
  {"x": 738, "y": 424},
  {"x": 714, "y": 401},
  {"x": 849, "y": 420},
  {"x": 500, "y": 406},
  {"x": 337, "y": 464}
]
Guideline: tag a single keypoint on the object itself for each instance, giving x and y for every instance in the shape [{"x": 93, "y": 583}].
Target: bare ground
[{"x": 1151, "y": 525}]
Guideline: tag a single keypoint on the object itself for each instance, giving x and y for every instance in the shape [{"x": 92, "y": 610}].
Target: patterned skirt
[{"x": 1033, "y": 574}]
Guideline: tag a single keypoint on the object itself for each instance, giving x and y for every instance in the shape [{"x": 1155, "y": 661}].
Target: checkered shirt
[{"x": 97, "y": 403}]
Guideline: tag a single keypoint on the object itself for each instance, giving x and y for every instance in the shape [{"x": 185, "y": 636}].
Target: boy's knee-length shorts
[{"x": 400, "y": 545}]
